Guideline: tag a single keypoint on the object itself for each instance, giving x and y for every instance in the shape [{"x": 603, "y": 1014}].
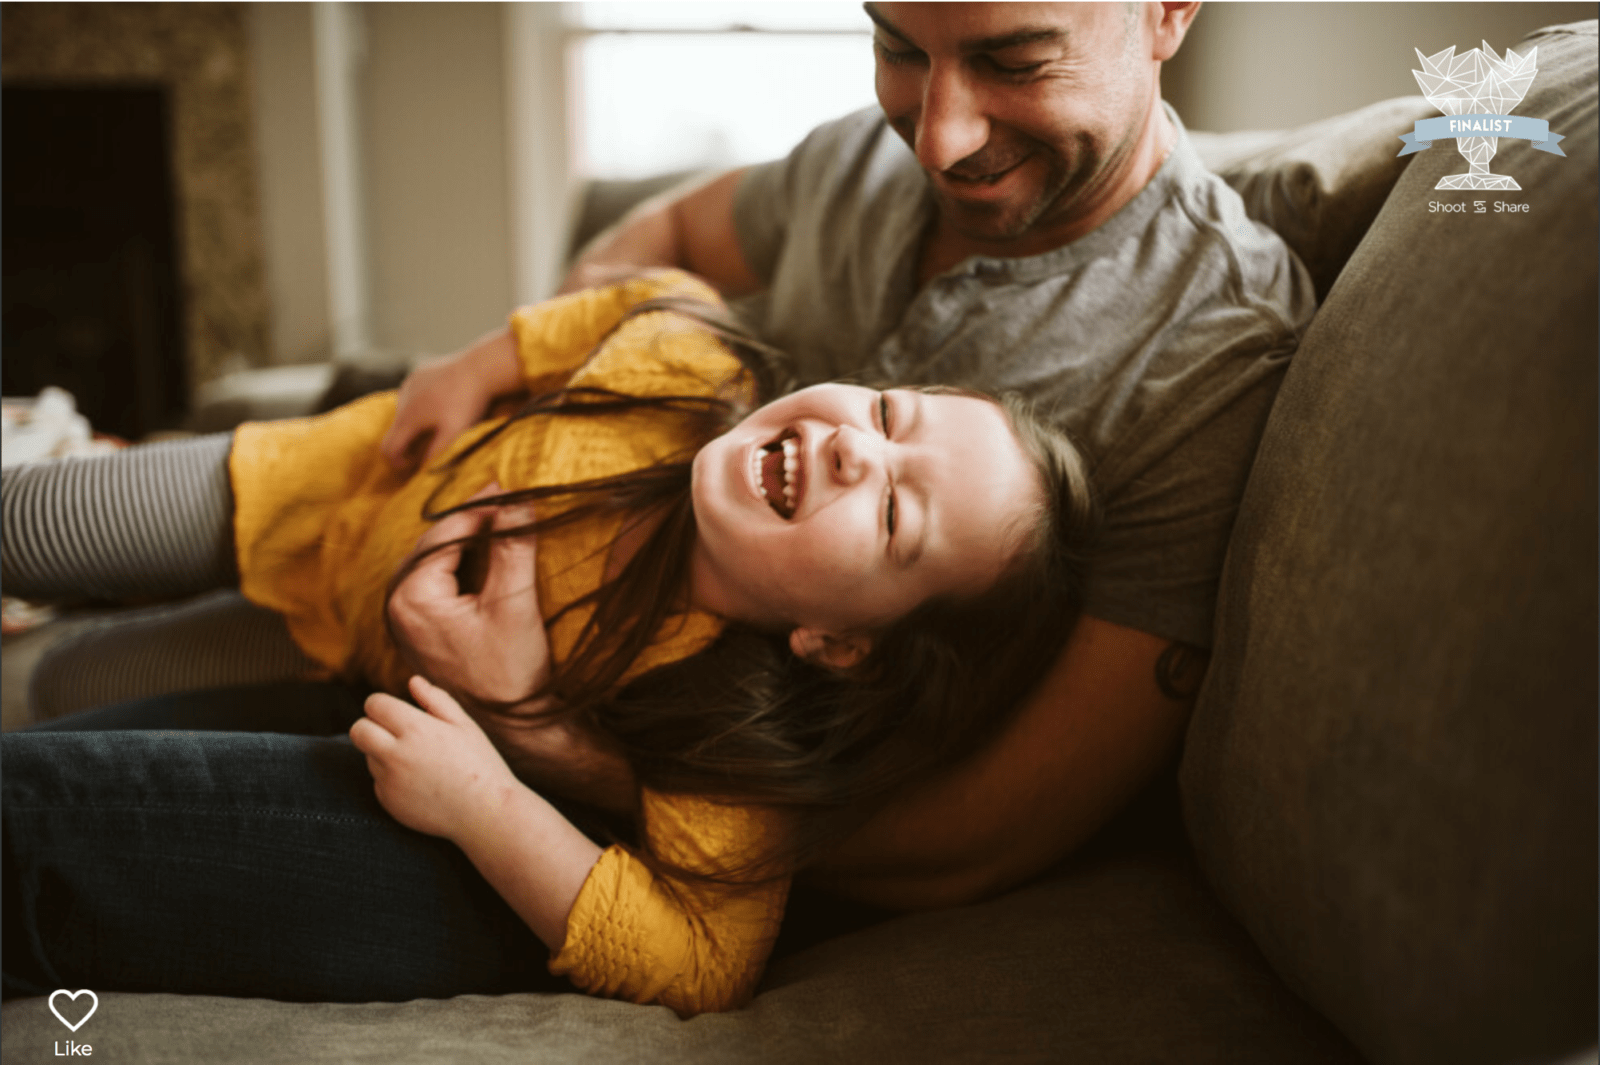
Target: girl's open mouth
[{"x": 778, "y": 472}]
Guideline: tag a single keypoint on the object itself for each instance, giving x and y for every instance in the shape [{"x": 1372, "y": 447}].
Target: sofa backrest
[
  {"x": 1320, "y": 185},
  {"x": 1390, "y": 776}
]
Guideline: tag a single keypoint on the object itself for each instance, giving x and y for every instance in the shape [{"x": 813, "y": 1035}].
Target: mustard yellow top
[{"x": 322, "y": 523}]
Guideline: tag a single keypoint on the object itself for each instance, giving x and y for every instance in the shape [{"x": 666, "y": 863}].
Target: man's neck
[{"x": 944, "y": 247}]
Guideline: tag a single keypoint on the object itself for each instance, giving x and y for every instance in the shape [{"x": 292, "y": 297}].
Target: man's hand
[
  {"x": 446, "y": 396},
  {"x": 434, "y": 769},
  {"x": 488, "y": 644}
]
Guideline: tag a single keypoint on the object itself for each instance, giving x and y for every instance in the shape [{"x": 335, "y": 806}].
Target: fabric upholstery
[
  {"x": 1121, "y": 955},
  {"x": 1371, "y": 758},
  {"x": 1320, "y": 185},
  {"x": 1391, "y": 774}
]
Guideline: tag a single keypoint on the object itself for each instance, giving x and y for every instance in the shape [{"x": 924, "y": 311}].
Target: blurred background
[{"x": 199, "y": 189}]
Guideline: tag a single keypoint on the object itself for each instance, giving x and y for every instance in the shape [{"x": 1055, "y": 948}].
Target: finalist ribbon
[{"x": 1453, "y": 127}]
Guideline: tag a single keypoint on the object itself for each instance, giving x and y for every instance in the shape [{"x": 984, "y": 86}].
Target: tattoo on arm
[{"x": 1180, "y": 669}]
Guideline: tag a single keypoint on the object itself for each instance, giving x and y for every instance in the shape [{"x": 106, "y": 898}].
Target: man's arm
[
  {"x": 693, "y": 231},
  {"x": 1108, "y": 715}
]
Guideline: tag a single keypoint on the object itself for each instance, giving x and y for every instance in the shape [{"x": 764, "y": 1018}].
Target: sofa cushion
[
  {"x": 1319, "y": 185},
  {"x": 1390, "y": 776},
  {"x": 1121, "y": 955}
]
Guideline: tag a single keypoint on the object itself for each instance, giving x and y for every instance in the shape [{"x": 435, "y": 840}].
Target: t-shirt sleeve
[
  {"x": 1165, "y": 533},
  {"x": 770, "y": 194},
  {"x": 692, "y": 947},
  {"x": 761, "y": 213},
  {"x": 556, "y": 336}
]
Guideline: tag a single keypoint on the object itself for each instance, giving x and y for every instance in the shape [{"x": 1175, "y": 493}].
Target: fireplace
[
  {"x": 90, "y": 296},
  {"x": 131, "y": 233}
]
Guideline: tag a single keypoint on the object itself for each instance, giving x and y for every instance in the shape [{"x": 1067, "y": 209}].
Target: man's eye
[
  {"x": 894, "y": 56},
  {"x": 883, "y": 412},
  {"x": 889, "y": 514},
  {"x": 1020, "y": 70}
]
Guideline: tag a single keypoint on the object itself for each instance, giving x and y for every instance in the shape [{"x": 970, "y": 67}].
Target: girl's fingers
[
  {"x": 393, "y": 715},
  {"x": 371, "y": 738},
  {"x": 436, "y": 701}
]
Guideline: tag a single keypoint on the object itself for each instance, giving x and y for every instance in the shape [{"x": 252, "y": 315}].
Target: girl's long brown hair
[{"x": 746, "y": 720}]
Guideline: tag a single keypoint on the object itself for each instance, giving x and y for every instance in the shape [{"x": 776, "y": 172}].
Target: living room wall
[{"x": 464, "y": 112}]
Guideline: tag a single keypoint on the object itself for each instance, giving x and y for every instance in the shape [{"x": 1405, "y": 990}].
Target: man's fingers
[
  {"x": 456, "y": 526},
  {"x": 444, "y": 434},
  {"x": 512, "y": 579},
  {"x": 396, "y": 444}
]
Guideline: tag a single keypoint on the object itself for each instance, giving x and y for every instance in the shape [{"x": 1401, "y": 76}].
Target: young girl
[{"x": 776, "y": 625}]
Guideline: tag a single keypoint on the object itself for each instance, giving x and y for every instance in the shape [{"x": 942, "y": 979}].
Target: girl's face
[{"x": 839, "y": 509}]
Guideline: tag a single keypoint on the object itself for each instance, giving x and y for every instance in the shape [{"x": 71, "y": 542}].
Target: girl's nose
[{"x": 851, "y": 454}]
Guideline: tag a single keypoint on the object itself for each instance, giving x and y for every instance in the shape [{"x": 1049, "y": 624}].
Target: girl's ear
[{"x": 824, "y": 649}]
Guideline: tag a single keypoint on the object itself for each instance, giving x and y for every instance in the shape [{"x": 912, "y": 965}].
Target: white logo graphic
[
  {"x": 94, "y": 1004},
  {"x": 1475, "y": 91}
]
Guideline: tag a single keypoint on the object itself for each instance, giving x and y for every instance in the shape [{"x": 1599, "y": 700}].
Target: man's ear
[
  {"x": 1170, "y": 30},
  {"x": 824, "y": 649}
]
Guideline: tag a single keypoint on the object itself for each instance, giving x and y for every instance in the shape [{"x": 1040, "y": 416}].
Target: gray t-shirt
[{"x": 1157, "y": 341}]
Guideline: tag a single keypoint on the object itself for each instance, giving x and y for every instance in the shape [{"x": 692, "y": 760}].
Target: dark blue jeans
[{"x": 235, "y": 862}]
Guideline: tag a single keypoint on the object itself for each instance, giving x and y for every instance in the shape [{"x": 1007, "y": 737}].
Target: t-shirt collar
[{"x": 1134, "y": 216}]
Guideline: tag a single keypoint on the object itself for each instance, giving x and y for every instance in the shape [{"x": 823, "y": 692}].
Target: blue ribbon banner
[{"x": 1453, "y": 127}]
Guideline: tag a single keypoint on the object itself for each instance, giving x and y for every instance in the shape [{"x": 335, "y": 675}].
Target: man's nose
[
  {"x": 852, "y": 454},
  {"x": 952, "y": 124}
]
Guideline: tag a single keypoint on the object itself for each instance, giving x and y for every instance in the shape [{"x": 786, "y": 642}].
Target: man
[{"x": 1040, "y": 224}]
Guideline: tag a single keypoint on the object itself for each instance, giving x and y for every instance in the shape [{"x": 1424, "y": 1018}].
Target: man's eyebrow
[
  {"x": 883, "y": 24},
  {"x": 1045, "y": 35},
  {"x": 997, "y": 43}
]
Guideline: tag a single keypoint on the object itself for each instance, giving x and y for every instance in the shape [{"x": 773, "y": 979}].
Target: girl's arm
[
  {"x": 613, "y": 927},
  {"x": 435, "y": 771}
]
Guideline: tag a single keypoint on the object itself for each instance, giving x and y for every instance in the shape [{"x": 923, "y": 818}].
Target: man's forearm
[
  {"x": 1098, "y": 727},
  {"x": 559, "y": 758},
  {"x": 692, "y": 230}
]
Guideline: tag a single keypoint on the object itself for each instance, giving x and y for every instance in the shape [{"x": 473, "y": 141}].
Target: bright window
[{"x": 678, "y": 86}]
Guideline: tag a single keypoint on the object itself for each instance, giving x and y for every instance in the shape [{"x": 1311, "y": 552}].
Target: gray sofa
[{"x": 1381, "y": 842}]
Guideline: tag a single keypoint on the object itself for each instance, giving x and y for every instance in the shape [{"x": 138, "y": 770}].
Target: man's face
[{"x": 1025, "y": 116}]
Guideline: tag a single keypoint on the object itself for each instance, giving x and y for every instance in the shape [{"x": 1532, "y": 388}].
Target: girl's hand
[
  {"x": 489, "y": 645},
  {"x": 433, "y": 768}
]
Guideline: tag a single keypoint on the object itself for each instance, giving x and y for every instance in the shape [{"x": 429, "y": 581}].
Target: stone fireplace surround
[{"x": 199, "y": 53}]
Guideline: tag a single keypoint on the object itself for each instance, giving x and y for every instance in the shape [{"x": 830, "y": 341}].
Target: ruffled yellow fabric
[
  {"x": 322, "y": 523},
  {"x": 695, "y": 948},
  {"x": 318, "y": 510}
]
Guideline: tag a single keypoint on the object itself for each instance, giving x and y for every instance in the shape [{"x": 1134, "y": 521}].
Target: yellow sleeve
[
  {"x": 691, "y": 947},
  {"x": 555, "y": 336}
]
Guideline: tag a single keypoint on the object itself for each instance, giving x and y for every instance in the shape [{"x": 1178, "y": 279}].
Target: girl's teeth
[{"x": 791, "y": 463}]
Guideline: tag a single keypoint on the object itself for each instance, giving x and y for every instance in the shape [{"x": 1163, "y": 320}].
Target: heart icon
[{"x": 94, "y": 1004}]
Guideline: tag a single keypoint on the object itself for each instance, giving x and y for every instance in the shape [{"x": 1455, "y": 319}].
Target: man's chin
[{"x": 988, "y": 222}]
